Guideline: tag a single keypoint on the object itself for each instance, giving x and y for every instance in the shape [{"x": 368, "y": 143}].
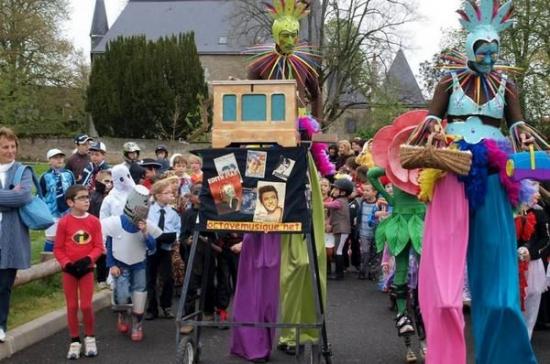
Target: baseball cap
[
  {"x": 53, "y": 152},
  {"x": 82, "y": 138},
  {"x": 99, "y": 146}
]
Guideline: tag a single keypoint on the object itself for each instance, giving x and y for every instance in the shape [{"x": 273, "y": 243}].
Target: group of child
[{"x": 126, "y": 225}]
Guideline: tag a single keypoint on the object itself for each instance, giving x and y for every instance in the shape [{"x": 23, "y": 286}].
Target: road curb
[{"x": 45, "y": 326}]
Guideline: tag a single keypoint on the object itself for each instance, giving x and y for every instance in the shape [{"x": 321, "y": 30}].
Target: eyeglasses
[
  {"x": 106, "y": 181},
  {"x": 82, "y": 198}
]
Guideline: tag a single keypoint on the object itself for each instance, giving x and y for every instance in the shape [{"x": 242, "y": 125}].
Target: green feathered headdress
[{"x": 286, "y": 15}]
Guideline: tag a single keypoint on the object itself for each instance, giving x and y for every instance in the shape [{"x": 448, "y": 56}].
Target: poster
[
  {"x": 230, "y": 197},
  {"x": 226, "y": 163},
  {"x": 284, "y": 168},
  {"x": 248, "y": 204},
  {"x": 226, "y": 190},
  {"x": 270, "y": 201},
  {"x": 255, "y": 164}
]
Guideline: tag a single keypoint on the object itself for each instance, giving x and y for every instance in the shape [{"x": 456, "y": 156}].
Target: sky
[{"x": 421, "y": 40}]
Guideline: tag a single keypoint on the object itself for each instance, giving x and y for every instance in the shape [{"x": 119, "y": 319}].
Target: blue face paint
[{"x": 486, "y": 57}]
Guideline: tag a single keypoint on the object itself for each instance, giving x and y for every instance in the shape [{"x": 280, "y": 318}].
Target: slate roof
[
  {"x": 209, "y": 19},
  {"x": 401, "y": 76},
  {"x": 100, "y": 26}
]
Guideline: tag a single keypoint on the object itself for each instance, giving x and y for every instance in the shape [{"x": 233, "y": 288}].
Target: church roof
[
  {"x": 402, "y": 78},
  {"x": 210, "y": 20},
  {"x": 100, "y": 26}
]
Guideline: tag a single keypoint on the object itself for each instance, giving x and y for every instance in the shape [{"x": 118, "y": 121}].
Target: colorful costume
[
  {"x": 402, "y": 230},
  {"x": 474, "y": 212},
  {"x": 284, "y": 60}
]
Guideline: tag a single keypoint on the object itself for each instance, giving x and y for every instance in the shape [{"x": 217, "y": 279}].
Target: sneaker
[
  {"x": 74, "y": 350},
  {"x": 151, "y": 316},
  {"x": 122, "y": 323},
  {"x": 167, "y": 313},
  {"x": 90, "y": 347},
  {"x": 137, "y": 329},
  {"x": 2, "y": 335}
]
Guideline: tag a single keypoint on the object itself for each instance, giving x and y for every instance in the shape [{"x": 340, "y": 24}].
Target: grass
[{"x": 36, "y": 298}]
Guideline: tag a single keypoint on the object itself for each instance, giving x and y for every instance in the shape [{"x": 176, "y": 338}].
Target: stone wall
[
  {"x": 34, "y": 149},
  {"x": 220, "y": 67}
]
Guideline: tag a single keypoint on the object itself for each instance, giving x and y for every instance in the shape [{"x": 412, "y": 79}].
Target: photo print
[
  {"x": 270, "y": 201},
  {"x": 226, "y": 190},
  {"x": 284, "y": 168},
  {"x": 255, "y": 164},
  {"x": 248, "y": 204},
  {"x": 226, "y": 163}
]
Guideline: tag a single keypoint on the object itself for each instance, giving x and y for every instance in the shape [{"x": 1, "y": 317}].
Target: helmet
[
  {"x": 130, "y": 147},
  {"x": 161, "y": 148},
  {"x": 345, "y": 185}
]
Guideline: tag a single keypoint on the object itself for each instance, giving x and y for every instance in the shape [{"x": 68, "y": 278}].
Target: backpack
[{"x": 35, "y": 214}]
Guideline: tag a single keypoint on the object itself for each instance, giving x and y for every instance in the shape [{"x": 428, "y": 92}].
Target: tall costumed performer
[
  {"x": 285, "y": 60},
  {"x": 472, "y": 215}
]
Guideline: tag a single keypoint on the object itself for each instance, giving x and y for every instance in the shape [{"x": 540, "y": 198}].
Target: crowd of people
[{"x": 103, "y": 213}]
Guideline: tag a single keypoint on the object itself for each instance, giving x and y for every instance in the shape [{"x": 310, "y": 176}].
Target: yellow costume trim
[{"x": 427, "y": 180}]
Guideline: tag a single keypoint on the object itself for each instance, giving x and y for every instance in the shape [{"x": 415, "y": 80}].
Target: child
[
  {"x": 97, "y": 163},
  {"x": 188, "y": 222},
  {"x": 340, "y": 220},
  {"x": 113, "y": 204},
  {"x": 78, "y": 244},
  {"x": 366, "y": 223},
  {"x": 129, "y": 237},
  {"x": 159, "y": 264},
  {"x": 196, "y": 173},
  {"x": 179, "y": 165},
  {"x": 103, "y": 184},
  {"x": 53, "y": 184},
  {"x": 151, "y": 171},
  {"x": 329, "y": 237}
]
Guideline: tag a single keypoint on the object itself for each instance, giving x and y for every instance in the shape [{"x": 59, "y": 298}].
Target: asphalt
[{"x": 360, "y": 329}]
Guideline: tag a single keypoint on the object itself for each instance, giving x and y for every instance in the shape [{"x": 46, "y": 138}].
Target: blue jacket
[
  {"x": 48, "y": 186},
  {"x": 15, "y": 244}
]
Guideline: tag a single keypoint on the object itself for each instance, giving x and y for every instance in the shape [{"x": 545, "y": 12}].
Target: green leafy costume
[{"x": 401, "y": 231}]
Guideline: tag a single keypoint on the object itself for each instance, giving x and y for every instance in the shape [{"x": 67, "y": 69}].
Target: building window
[
  {"x": 222, "y": 40},
  {"x": 351, "y": 126},
  {"x": 253, "y": 107},
  {"x": 278, "y": 109},
  {"x": 229, "y": 108}
]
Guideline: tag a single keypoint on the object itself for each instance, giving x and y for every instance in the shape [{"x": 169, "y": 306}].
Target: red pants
[{"x": 72, "y": 287}]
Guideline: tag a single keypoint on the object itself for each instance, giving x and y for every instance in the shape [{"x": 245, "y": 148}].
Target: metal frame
[{"x": 195, "y": 318}]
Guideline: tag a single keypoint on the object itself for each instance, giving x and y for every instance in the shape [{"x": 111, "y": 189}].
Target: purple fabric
[{"x": 257, "y": 295}]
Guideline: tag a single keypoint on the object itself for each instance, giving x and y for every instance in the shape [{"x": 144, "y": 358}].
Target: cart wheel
[{"x": 186, "y": 351}]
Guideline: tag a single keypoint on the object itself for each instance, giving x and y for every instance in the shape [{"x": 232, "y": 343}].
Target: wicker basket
[{"x": 430, "y": 156}]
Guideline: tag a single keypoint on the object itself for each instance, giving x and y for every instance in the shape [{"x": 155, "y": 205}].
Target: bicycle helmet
[{"x": 345, "y": 185}]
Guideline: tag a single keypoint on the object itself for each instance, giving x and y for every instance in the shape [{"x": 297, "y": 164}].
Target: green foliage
[
  {"x": 39, "y": 71},
  {"x": 146, "y": 89}
]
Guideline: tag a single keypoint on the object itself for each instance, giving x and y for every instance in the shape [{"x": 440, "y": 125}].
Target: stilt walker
[
  {"x": 287, "y": 59},
  {"x": 473, "y": 213},
  {"x": 402, "y": 231}
]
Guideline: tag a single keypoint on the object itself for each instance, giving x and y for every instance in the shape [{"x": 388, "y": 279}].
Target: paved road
[{"x": 360, "y": 330}]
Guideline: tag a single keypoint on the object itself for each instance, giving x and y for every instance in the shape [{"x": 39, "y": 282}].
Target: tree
[
  {"x": 146, "y": 89},
  {"x": 39, "y": 71},
  {"x": 348, "y": 33}
]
